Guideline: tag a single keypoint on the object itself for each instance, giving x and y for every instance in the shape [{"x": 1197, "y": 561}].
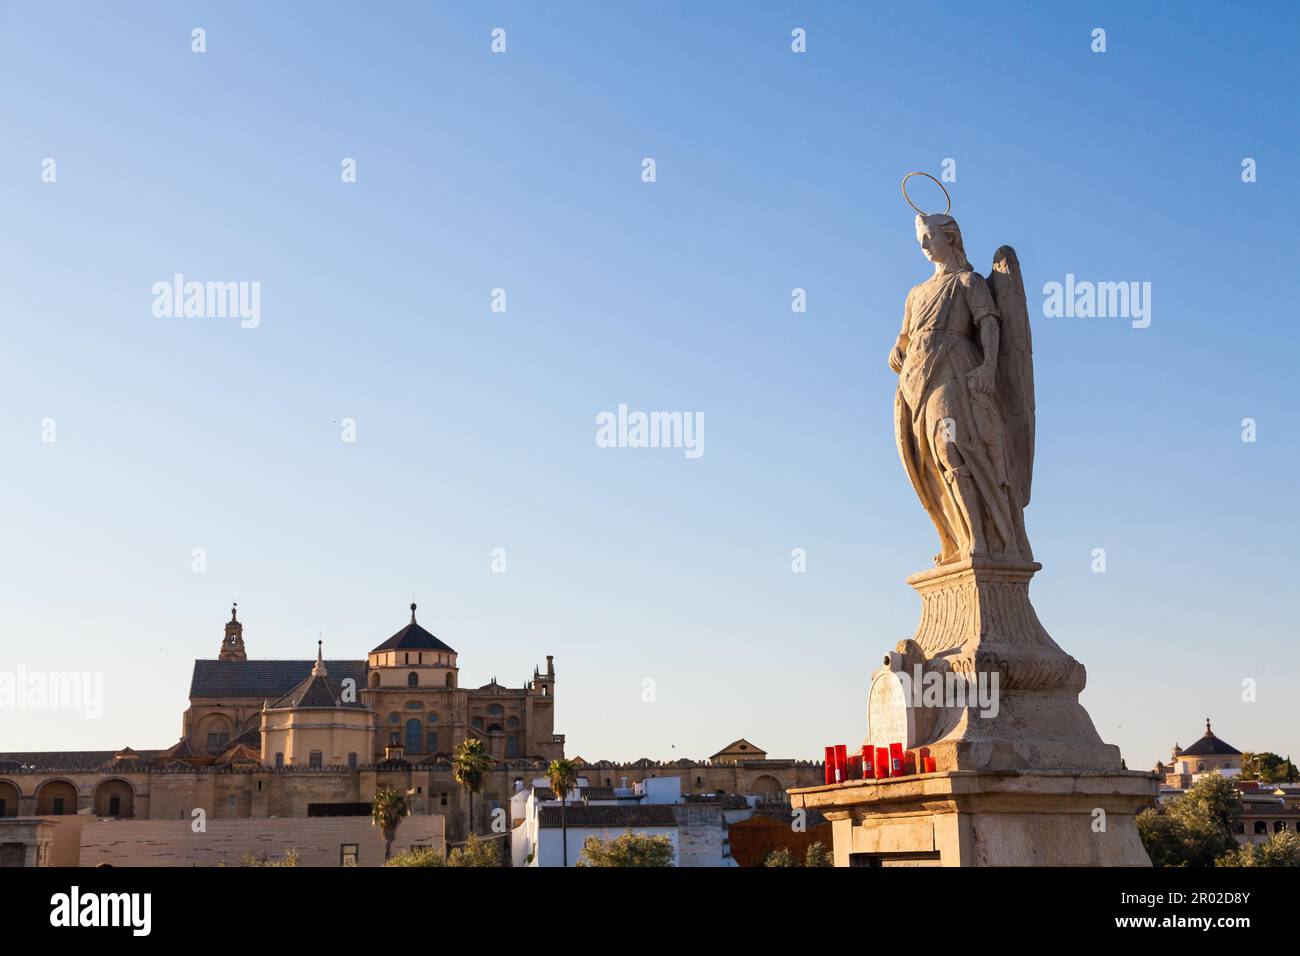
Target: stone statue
[
  {"x": 964, "y": 410},
  {"x": 964, "y": 420},
  {"x": 1015, "y": 772}
]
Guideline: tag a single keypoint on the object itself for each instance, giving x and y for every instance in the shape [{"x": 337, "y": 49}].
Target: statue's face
[{"x": 935, "y": 245}]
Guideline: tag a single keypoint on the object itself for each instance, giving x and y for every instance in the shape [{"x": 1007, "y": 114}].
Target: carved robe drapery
[{"x": 951, "y": 437}]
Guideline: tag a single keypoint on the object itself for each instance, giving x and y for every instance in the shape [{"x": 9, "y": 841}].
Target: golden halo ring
[{"x": 933, "y": 180}]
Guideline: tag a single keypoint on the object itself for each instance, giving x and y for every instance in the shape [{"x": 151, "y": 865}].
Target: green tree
[
  {"x": 477, "y": 852},
  {"x": 1194, "y": 829},
  {"x": 1267, "y": 767},
  {"x": 781, "y": 857},
  {"x": 469, "y": 765},
  {"x": 630, "y": 849},
  {"x": 1282, "y": 849},
  {"x": 1164, "y": 837},
  {"x": 1212, "y": 809},
  {"x": 386, "y": 813},
  {"x": 418, "y": 857},
  {"x": 563, "y": 775},
  {"x": 818, "y": 855}
]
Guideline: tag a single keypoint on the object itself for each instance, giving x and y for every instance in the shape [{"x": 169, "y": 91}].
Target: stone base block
[{"x": 996, "y": 818}]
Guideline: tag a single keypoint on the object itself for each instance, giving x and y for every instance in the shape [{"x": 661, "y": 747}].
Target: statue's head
[{"x": 940, "y": 239}]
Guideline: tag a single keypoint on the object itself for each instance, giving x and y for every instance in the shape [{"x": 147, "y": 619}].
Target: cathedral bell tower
[{"x": 232, "y": 645}]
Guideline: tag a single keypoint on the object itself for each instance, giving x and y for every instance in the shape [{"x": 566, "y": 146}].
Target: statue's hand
[
  {"x": 896, "y": 359},
  {"x": 981, "y": 380}
]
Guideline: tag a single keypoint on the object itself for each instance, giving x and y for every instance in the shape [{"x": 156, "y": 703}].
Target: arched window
[
  {"x": 413, "y": 741},
  {"x": 374, "y": 678},
  {"x": 451, "y": 680},
  {"x": 1279, "y": 826},
  {"x": 8, "y": 799},
  {"x": 413, "y": 679},
  {"x": 496, "y": 710},
  {"x": 1261, "y": 826},
  {"x": 314, "y": 760}
]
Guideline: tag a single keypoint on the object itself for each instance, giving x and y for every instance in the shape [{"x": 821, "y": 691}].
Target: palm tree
[
  {"x": 469, "y": 765},
  {"x": 563, "y": 775},
  {"x": 386, "y": 813}
]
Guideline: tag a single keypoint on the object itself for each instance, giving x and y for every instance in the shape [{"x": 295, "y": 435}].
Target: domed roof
[
  {"x": 413, "y": 638},
  {"x": 1210, "y": 746}
]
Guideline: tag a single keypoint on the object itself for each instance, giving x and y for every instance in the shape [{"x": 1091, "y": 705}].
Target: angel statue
[{"x": 964, "y": 410}]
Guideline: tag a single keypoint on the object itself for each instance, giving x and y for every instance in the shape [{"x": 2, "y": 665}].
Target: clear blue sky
[{"x": 475, "y": 430}]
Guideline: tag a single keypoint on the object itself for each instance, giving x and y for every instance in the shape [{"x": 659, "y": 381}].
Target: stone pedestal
[
  {"x": 997, "y": 818},
  {"x": 977, "y": 624},
  {"x": 1022, "y": 777}
]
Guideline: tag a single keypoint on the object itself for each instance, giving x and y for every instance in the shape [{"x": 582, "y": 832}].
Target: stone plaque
[{"x": 891, "y": 719}]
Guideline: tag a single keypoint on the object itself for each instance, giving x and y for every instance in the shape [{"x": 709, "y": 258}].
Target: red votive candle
[
  {"x": 855, "y": 767},
  {"x": 830, "y": 764},
  {"x": 868, "y": 772},
  {"x": 841, "y": 762},
  {"x": 910, "y": 762},
  {"x": 895, "y": 760},
  {"x": 882, "y": 763},
  {"x": 929, "y": 764}
]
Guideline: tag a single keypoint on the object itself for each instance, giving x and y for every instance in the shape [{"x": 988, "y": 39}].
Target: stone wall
[
  {"x": 261, "y": 793},
  {"x": 317, "y": 841}
]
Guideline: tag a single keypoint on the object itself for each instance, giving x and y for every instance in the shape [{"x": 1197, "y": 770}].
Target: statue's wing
[{"x": 1015, "y": 377}]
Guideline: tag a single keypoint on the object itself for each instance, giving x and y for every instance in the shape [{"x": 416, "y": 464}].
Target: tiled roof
[
  {"x": 589, "y": 793},
  {"x": 1209, "y": 745},
  {"x": 63, "y": 759},
  {"x": 238, "y": 756},
  {"x": 268, "y": 680},
  {"x": 412, "y": 638},
  {"x": 252, "y": 737},
  {"x": 578, "y": 815},
  {"x": 318, "y": 691}
]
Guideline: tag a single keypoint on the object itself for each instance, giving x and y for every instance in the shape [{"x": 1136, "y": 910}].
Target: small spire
[
  {"x": 234, "y": 607},
  {"x": 412, "y": 612},
  {"x": 1208, "y": 731},
  {"x": 319, "y": 669}
]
